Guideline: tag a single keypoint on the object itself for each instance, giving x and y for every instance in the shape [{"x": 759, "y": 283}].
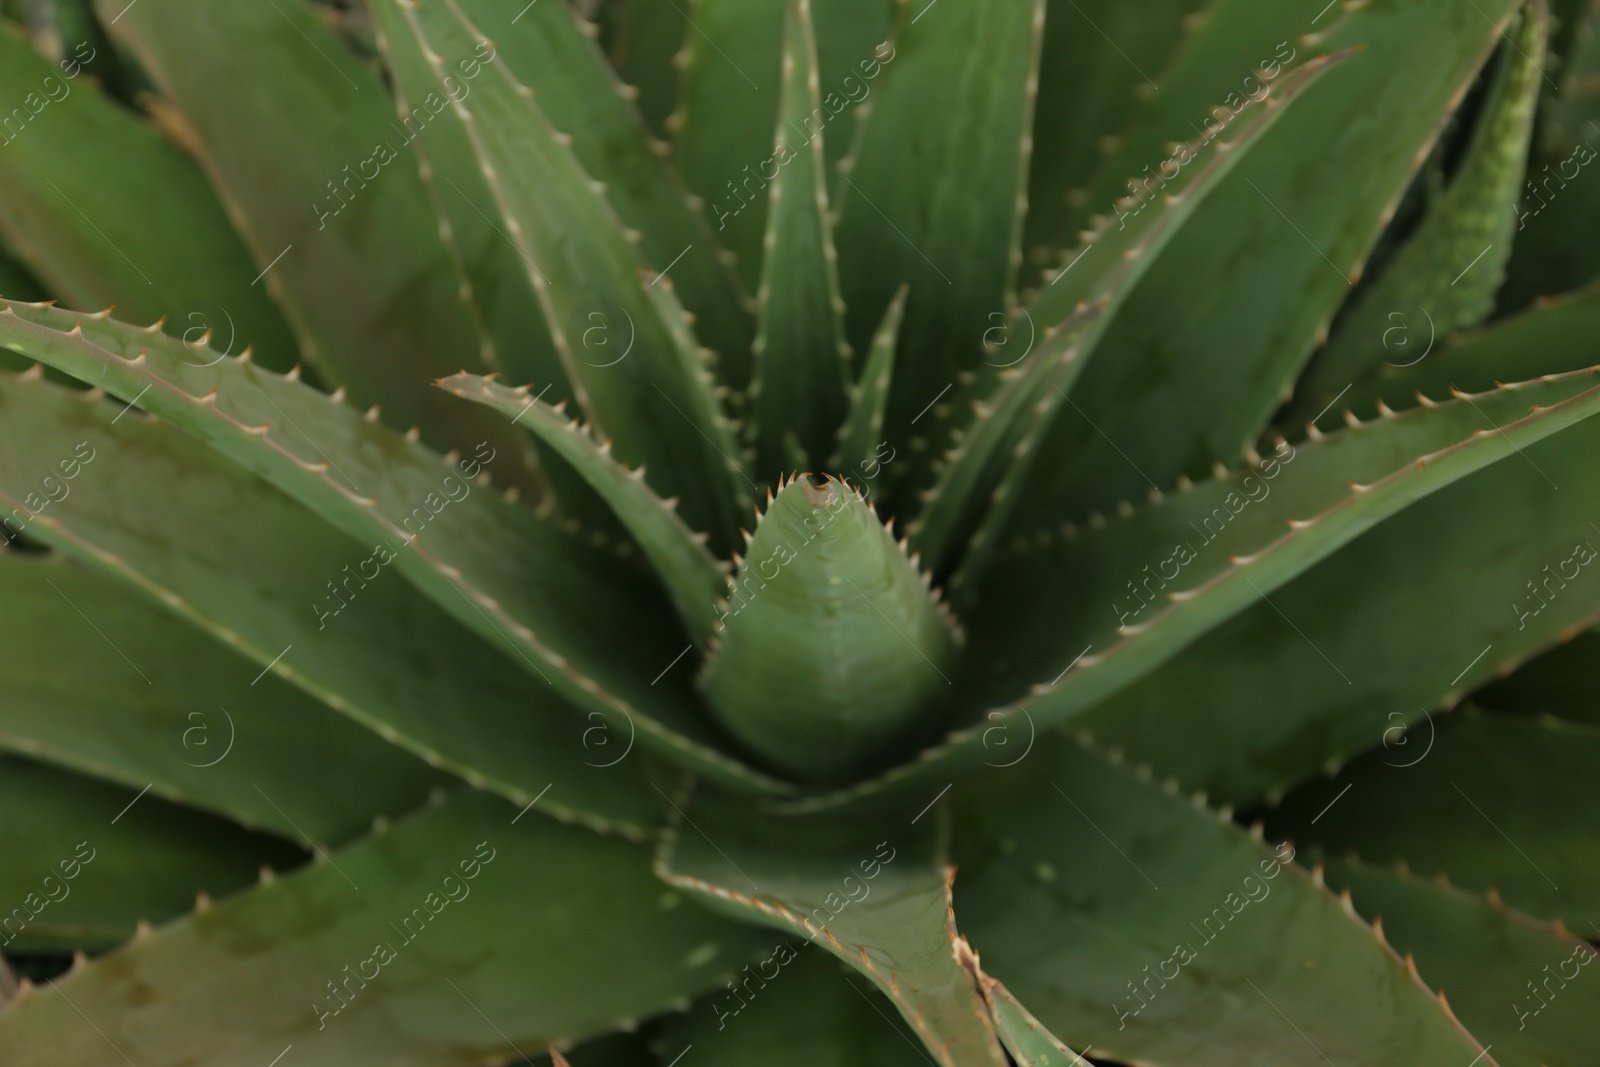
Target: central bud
[{"x": 832, "y": 651}]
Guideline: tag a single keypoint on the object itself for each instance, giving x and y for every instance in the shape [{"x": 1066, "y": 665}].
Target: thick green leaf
[
  {"x": 1561, "y": 683},
  {"x": 1451, "y": 266},
  {"x": 729, "y": 102},
  {"x": 1096, "y": 68},
  {"x": 315, "y": 605},
  {"x": 1559, "y": 204},
  {"x": 939, "y": 204},
  {"x": 1269, "y": 716},
  {"x": 975, "y": 493},
  {"x": 361, "y": 975},
  {"x": 548, "y": 49},
  {"x": 155, "y": 242},
  {"x": 814, "y": 1014},
  {"x": 593, "y": 630},
  {"x": 831, "y": 650},
  {"x": 1317, "y": 673},
  {"x": 861, "y": 435},
  {"x": 101, "y": 681},
  {"x": 651, "y": 394},
  {"x": 1516, "y": 983},
  {"x": 1189, "y": 374},
  {"x": 798, "y": 394},
  {"x": 1128, "y": 919},
  {"x": 696, "y": 579},
  {"x": 1494, "y": 802},
  {"x": 86, "y": 861},
  {"x": 1024, "y": 1036},
  {"x": 1553, "y": 337},
  {"x": 643, "y": 38},
  {"x": 340, "y": 228},
  {"x": 892, "y": 921}
]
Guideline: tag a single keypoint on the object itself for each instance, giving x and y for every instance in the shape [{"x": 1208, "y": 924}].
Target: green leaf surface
[
  {"x": 150, "y": 507},
  {"x": 730, "y": 97},
  {"x": 938, "y": 205},
  {"x": 1189, "y": 374},
  {"x": 696, "y": 579},
  {"x": 1552, "y": 337},
  {"x": 875, "y": 892},
  {"x": 460, "y": 945},
  {"x": 640, "y": 379},
  {"x": 799, "y": 392},
  {"x": 861, "y": 434},
  {"x": 1270, "y": 717},
  {"x": 591, "y": 629},
  {"x": 103, "y": 682},
  {"x": 155, "y": 242},
  {"x": 643, "y": 39},
  {"x": 1318, "y": 674},
  {"x": 1029, "y": 1043},
  {"x": 340, "y": 229},
  {"x": 1452, "y": 265},
  {"x": 1128, "y": 919},
  {"x": 1096, "y": 64},
  {"x": 795, "y": 1008},
  {"x": 1519, "y": 985},
  {"x": 976, "y": 491},
  {"x": 831, "y": 650},
  {"x": 1561, "y": 683},
  {"x": 1479, "y": 807},
  {"x": 549, "y": 50},
  {"x": 86, "y": 861}
]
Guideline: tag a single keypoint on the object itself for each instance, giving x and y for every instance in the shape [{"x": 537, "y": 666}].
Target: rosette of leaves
[{"x": 555, "y": 529}]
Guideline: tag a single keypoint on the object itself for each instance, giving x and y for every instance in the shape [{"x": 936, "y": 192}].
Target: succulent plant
[{"x": 522, "y": 520}]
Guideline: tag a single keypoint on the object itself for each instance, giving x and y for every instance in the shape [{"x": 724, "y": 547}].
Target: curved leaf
[
  {"x": 862, "y": 432},
  {"x": 1517, "y": 983},
  {"x": 939, "y": 204},
  {"x": 147, "y": 506},
  {"x": 1256, "y": 724},
  {"x": 101, "y": 681},
  {"x": 1131, "y": 920},
  {"x": 729, "y": 102},
  {"x": 1477, "y": 806},
  {"x": 1451, "y": 266},
  {"x": 654, "y": 400},
  {"x": 593, "y": 631},
  {"x": 1189, "y": 374},
  {"x": 796, "y": 876},
  {"x": 798, "y": 393},
  {"x": 86, "y": 861},
  {"x": 155, "y": 242},
  {"x": 461, "y": 943},
  {"x": 696, "y": 579}
]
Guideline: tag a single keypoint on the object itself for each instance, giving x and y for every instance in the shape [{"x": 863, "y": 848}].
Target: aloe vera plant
[{"x": 798, "y": 531}]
